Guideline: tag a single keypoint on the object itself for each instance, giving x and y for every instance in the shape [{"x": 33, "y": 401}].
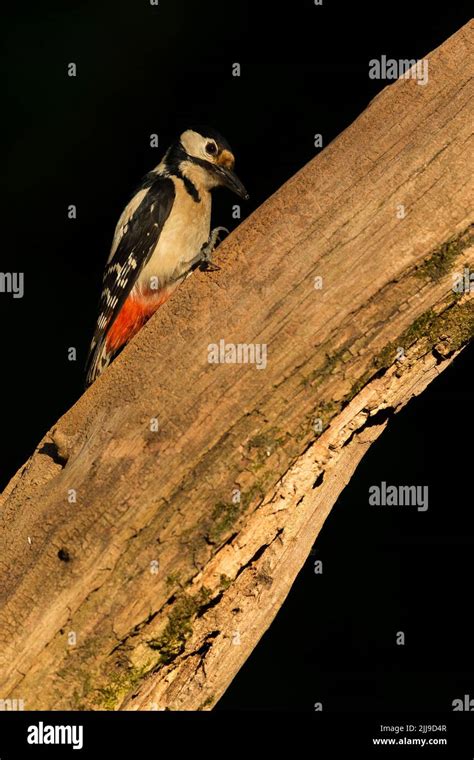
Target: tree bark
[{"x": 140, "y": 567}]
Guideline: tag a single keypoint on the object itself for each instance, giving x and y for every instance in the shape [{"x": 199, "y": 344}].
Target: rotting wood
[{"x": 165, "y": 578}]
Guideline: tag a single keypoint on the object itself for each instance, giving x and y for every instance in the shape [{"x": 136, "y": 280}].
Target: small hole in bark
[
  {"x": 318, "y": 480},
  {"x": 51, "y": 450}
]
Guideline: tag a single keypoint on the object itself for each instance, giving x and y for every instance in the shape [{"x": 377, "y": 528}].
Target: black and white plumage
[{"x": 160, "y": 236}]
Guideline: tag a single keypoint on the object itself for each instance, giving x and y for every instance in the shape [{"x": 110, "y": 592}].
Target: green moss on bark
[
  {"x": 179, "y": 626},
  {"x": 443, "y": 258}
]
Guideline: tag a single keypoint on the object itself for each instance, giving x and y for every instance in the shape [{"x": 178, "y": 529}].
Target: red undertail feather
[{"x": 132, "y": 316}]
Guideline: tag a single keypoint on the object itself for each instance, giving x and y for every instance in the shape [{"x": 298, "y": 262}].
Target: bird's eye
[{"x": 211, "y": 148}]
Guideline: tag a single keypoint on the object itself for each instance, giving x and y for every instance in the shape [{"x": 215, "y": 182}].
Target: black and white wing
[{"x": 136, "y": 237}]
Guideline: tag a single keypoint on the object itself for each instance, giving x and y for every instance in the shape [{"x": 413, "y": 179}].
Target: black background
[{"x": 85, "y": 141}]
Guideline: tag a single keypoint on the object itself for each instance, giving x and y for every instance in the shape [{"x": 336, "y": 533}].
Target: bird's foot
[{"x": 205, "y": 255}]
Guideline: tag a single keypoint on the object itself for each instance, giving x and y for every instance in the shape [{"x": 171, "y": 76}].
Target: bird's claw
[{"x": 208, "y": 248}]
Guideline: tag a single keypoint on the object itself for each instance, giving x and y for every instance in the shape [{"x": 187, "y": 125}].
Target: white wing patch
[{"x": 122, "y": 224}]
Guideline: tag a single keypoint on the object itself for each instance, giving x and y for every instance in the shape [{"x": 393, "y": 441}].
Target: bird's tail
[
  {"x": 134, "y": 313},
  {"x": 99, "y": 358}
]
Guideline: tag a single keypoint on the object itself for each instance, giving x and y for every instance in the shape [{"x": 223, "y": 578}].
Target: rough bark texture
[{"x": 165, "y": 578}]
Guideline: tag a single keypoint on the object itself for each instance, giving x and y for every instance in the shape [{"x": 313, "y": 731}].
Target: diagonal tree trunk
[{"x": 155, "y": 532}]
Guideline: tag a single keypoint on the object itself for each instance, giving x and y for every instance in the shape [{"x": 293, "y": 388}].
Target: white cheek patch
[{"x": 193, "y": 143}]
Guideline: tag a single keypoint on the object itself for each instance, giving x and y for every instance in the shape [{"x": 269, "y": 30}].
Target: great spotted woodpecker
[{"x": 161, "y": 236}]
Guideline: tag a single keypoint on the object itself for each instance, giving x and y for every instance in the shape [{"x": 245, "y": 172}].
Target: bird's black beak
[{"x": 230, "y": 180}]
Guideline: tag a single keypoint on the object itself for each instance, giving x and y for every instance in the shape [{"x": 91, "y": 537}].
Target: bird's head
[{"x": 205, "y": 157}]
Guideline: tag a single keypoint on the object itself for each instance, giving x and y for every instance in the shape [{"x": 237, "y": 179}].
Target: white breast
[{"x": 184, "y": 233}]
